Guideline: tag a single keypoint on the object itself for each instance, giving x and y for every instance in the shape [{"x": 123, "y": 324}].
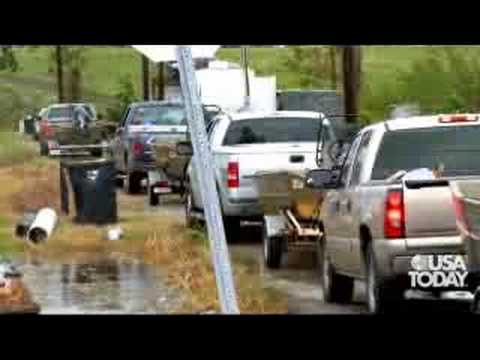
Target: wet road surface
[{"x": 100, "y": 284}]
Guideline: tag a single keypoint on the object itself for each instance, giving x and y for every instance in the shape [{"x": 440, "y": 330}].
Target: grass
[
  {"x": 15, "y": 149},
  {"x": 105, "y": 65},
  {"x": 160, "y": 240}
]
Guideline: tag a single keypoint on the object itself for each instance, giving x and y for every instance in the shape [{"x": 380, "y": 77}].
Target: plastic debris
[
  {"x": 115, "y": 234},
  {"x": 43, "y": 225}
]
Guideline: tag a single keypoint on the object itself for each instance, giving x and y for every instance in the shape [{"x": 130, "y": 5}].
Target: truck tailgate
[
  {"x": 429, "y": 210},
  {"x": 264, "y": 157}
]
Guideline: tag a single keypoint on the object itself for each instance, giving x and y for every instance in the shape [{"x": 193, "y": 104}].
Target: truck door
[
  {"x": 350, "y": 206},
  {"x": 337, "y": 233}
]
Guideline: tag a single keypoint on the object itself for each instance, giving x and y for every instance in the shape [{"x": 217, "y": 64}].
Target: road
[{"x": 299, "y": 280}]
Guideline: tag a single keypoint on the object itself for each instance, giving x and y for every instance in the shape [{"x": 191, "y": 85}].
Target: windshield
[
  {"x": 455, "y": 151},
  {"x": 159, "y": 115},
  {"x": 60, "y": 113},
  {"x": 272, "y": 130}
]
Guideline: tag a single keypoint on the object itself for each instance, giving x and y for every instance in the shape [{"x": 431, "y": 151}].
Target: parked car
[
  {"x": 65, "y": 125},
  {"x": 141, "y": 124},
  {"x": 38, "y": 119},
  {"x": 377, "y": 216},
  {"x": 243, "y": 144}
]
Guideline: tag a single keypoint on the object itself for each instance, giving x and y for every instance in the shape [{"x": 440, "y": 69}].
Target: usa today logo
[{"x": 438, "y": 271}]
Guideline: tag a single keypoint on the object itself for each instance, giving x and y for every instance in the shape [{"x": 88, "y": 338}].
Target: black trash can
[{"x": 93, "y": 183}]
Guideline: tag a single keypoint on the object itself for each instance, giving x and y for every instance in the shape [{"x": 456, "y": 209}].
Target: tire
[
  {"x": 189, "y": 206},
  {"x": 336, "y": 288},
  {"x": 133, "y": 183},
  {"x": 232, "y": 229},
  {"x": 475, "y": 307},
  {"x": 272, "y": 250},
  {"x": 381, "y": 296},
  {"x": 153, "y": 199},
  {"x": 43, "y": 149}
]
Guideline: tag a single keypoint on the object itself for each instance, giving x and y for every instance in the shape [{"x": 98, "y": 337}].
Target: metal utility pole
[
  {"x": 145, "y": 78},
  {"x": 244, "y": 58},
  {"x": 203, "y": 162},
  {"x": 352, "y": 68},
  {"x": 59, "y": 61},
  {"x": 161, "y": 81}
]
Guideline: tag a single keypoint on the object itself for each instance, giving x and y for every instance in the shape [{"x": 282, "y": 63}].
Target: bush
[
  {"x": 124, "y": 95},
  {"x": 447, "y": 80}
]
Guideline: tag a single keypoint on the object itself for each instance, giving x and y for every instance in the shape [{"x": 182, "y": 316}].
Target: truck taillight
[
  {"x": 46, "y": 129},
  {"x": 394, "y": 222},
  {"x": 137, "y": 148},
  {"x": 233, "y": 175}
]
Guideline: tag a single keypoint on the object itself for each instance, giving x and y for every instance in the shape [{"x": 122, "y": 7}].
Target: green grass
[
  {"x": 15, "y": 149},
  {"x": 105, "y": 65},
  {"x": 8, "y": 244}
]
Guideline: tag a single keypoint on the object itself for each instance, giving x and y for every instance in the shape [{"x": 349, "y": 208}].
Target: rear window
[
  {"x": 272, "y": 130},
  {"x": 89, "y": 110},
  {"x": 456, "y": 150},
  {"x": 60, "y": 113},
  {"x": 159, "y": 115}
]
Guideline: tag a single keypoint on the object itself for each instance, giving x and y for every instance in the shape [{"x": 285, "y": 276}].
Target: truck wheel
[
  {"x": 232, "y": 229},
  {"x": 189, "y": 219},
  {"x": 272, "y": 250},
  {"x": 381, "y": 297},
  {"x": 336, "y": 288},
  {"x": 133, "y": 183},
  {"x": 153, "y": 199},
  {"x": 43, "y": 149}
]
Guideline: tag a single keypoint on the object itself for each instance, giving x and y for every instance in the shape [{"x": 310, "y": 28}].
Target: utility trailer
[{"x": 291, "y": 213}]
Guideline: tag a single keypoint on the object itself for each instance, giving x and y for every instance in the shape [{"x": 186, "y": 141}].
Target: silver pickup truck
[
  {"x": 376, "y": 218},
  {"x": 245, "y": 143}
]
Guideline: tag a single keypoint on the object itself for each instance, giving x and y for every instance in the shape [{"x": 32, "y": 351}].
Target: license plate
[
  {"x": 162, "y": 190},
  {"x": 55, "y": 152}
]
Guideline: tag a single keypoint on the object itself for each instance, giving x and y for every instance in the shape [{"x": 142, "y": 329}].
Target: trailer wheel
[{"x": 272, "y": 250}]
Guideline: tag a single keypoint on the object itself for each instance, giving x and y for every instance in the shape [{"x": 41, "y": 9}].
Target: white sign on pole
[
  {"x": 165, "y": 53},
  {"x": 203, "y": 162}
]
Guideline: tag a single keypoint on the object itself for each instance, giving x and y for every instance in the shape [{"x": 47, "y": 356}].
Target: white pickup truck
[
  {"x": 245, "y": 143},
  {"x": 379, "y": 215}
]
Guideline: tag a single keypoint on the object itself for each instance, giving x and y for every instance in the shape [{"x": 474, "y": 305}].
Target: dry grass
[
  {"x": 188, "y": 258},
  {"x": 40, "y": 187},
  {"x": 161, "y": 240}
]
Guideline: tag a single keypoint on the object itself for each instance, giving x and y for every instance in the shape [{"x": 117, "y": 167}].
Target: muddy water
[{"x": 98, "y": 285}]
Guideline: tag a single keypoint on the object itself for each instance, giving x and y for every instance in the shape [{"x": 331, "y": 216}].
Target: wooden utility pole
[
  {"x": 352, "y": 69},
  {"x": 161, "y": 81},
  {"x": 333, "y": 66},
  {"x": 145, "y": 78},
  {"x": 59, "y": 61},
  {"x": 244, "y": 58}
]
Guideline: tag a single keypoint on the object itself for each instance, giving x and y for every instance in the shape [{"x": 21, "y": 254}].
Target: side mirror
[
  {"x": 322, "y": 179},
  {"x": 119, "y": 131},
  {"x": 184, "y": 148}
]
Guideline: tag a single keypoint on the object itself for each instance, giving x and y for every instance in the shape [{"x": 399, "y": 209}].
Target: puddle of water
[{"x": 100, "y": 285}]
